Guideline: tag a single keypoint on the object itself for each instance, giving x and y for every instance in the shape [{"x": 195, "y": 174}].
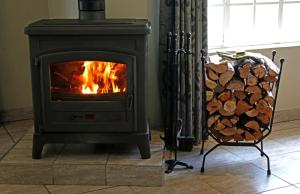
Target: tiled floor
[{"x": 228, "y": 170}]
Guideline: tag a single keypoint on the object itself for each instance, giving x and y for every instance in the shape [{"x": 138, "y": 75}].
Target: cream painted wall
[
  {"x": 15, "y": 90},
  {"x": 63, "y": 8}
]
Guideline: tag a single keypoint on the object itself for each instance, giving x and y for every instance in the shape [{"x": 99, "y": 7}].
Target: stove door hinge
[{"x": 37, "y": 62}]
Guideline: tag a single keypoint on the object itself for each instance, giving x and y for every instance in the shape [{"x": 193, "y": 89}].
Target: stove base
[{"x": 140, "y": 139}]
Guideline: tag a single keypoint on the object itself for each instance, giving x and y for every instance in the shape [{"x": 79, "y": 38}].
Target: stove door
[{"x": 88, "y": 91}]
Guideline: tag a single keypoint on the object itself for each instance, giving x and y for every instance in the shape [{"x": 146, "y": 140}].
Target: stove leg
[
  {"x": 144, "y": 148},
  {"x": 37, "y": 147}
]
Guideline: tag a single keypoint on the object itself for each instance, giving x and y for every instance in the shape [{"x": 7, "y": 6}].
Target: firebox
[{"x": 89, "y": 82}]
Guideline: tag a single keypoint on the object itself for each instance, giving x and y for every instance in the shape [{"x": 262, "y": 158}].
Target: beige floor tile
[
  {"x": 73, "y": 189},
  {"x": 180, "y": 182},
  {"x": 289, "y": 138},
  {"x": 134, "y": 175},
  {"x": 114, "y": 190},
  {"x": 5, "y": 142},
  {"x": 23, "y": 189},
  {"x": 82, "y": 154},
  {"x": 239, "y": 179},
  {"x": 285, "y": 166},
  {"x": 70, "y": 174},
  {"x": 31, "y": 174},
  {"x": 271, "y": 147},
  {"x": 18, "y": 129},
  {"x": 219, "y": 157},
  {"x": 284, "y": 190}
]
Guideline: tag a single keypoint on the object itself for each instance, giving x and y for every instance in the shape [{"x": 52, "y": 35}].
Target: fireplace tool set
[
  {"x": 173, "y": 120},
  {"x": 252, "y": 123}
]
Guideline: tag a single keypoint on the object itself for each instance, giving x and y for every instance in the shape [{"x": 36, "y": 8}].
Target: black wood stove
[{"x": 89, "y": 80}]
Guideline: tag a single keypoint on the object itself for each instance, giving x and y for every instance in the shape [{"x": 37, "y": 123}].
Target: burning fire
[{"x": 101, "y": 77}]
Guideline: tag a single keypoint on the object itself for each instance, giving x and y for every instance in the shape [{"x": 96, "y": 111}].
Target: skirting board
[
  {"x": 287, "y": 115},
  {"x": 16, "y": 114},
  {"x": 27, "y": 113}
]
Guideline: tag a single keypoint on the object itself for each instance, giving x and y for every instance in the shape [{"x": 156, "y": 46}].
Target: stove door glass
[{"x": 82, "y": 80}]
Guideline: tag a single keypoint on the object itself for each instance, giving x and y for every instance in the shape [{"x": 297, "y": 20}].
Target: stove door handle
[{"x": 129, "y": 102}]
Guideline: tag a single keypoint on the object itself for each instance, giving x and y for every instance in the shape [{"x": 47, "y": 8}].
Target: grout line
[
  {"x": 272, "y": 174},
  {"x": 275, "y": 189},
  {"x": 134, "y": 191},
  {"x": 10, "y": 136},
  {"x": 12, "y": 147},
  {"x": 106, "y": 187},
  {"x": 46, "y": 189}
]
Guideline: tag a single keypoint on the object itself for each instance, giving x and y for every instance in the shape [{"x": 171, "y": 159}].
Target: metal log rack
[{"x": 266, "y": 130}]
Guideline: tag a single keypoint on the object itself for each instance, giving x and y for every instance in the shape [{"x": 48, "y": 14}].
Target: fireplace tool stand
[
  {"x": 173, "y": 121},
  {"x": 266, "y": 131}
]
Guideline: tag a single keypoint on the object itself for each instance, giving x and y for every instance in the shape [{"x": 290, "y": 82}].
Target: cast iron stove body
[{"x": 89, "y": 82}]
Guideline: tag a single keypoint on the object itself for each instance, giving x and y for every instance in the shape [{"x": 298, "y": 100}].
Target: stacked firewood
[{"x": 239, "y": 99}]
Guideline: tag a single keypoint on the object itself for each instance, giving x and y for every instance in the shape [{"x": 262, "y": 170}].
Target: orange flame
[{"x": 103, "y": 77}]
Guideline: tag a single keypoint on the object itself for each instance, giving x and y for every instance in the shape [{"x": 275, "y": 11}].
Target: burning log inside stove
[{"x": 239, "y": 100}]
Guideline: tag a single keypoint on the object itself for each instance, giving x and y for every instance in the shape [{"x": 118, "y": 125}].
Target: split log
[
  {"x": 253, "y": 125},
  {"x": 238, "y": 137},
  {"x": 261, "y": 106},
  {"x": 252, "y": 113},
  {"x": 225, "y": 113},
  {"x": 271, "y": 79},
  {"x": 219, "y": 126},
  {"x": 269, "y": 99},
  {"x": 272, "y": 72},
  {"x": 253, "y": 90},
  {"x": 265, "y": 85},
  {"x": 211, "y": 120},
  {"x": 226, "y": 138},
  {"x": 269, "y": 112},
  {"x": 219, "y": 89},
  {"x": 242, "y": 107},
  {"x": 263, "y": 118},
  {"x": 209, "y": 95},
  {"x": 252, "y": 80},
  {"x": 249, "y": 136},
  {"x": 230, "y": 131},
  {"x": 254, "y": 98},
  {"x": 210, "y": 84},
  {"x": 259, "y": 71},
  {"x": 218, "y": 68},
  {"x": 240, "y": 131},
  {"x": 240, "y": 95},
  {"x": 213, "y": 106},
  {"x": 212, "y": 75},
  {"x": 258, "y": 135},
  {"x": 227, "y": 123},
  {"x": 226, "y": 77},
  {"x": 234, "y": 119},
  {"x": 235, "y": 85},
  {"x": 230, "y": 105},
  {"x": 245, "y": 70},
  {"x": 224, "y": 96}
]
